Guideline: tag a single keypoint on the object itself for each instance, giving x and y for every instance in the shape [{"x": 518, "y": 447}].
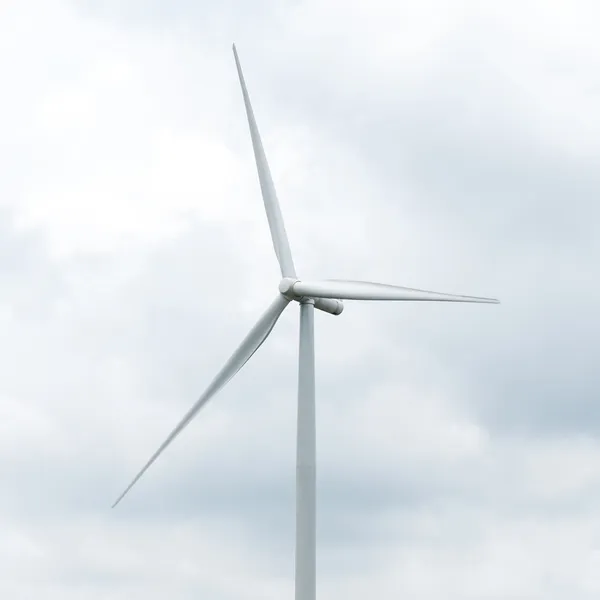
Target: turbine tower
[{"x": 327, "y": 296}]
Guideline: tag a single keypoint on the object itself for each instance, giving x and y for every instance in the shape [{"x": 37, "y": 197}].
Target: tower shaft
[{"x": 306, "y": 460}]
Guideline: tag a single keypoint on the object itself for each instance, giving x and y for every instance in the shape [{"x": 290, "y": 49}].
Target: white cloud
[{"x": 135, "y": 255}]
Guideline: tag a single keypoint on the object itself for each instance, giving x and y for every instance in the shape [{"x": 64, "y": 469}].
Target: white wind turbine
[{"x": 326, "y": 295}]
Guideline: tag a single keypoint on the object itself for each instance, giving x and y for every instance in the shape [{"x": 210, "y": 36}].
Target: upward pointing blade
[
  {"x": 278, "y": 233},
  {"x": 258, "y": 334},
  {"x": 365, "y": 290}
]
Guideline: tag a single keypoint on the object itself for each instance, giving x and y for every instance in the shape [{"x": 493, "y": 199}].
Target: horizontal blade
[
  {"x": 364, "y": 290},
  {"x": 258, "y": 334},
  {"x": 274, "y": 216}
]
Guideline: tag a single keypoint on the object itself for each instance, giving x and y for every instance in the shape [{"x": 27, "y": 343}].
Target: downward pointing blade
[
  {"x": 274, "y": 216},
  {"x": 365, "y": 290},
  {"x": 258, "y": 334}
]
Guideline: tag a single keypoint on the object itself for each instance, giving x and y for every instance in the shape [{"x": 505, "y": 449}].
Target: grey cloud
[
  {"x": 127, "y": 341},
  {"x": 175, "y": 15},
  {"x": 155, "y": 339},
  {"x": 464, "y": 146}
]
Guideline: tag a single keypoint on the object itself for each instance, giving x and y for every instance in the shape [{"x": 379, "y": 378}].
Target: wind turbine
[{"x": 327, "y": 296}]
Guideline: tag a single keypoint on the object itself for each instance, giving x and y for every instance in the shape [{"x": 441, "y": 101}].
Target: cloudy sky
[{"x": 444, "y": 145}]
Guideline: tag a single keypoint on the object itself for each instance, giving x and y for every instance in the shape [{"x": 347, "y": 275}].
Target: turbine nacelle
[{"x": 328, "y": 305}]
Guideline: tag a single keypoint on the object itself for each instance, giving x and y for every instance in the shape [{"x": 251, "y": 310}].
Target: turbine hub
[
  {"x": 328, "y": 305},
  {"x": 286, "y": 288}
]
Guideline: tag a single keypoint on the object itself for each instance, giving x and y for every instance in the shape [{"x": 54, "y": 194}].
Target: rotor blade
[
  {"x": 258, "y": 334},
  {"x": 364, "y": 290},
  {"x": 274, "y": 216}
]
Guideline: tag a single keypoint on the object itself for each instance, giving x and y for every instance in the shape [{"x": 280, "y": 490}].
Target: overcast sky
[{"x": 444, "y": 145}]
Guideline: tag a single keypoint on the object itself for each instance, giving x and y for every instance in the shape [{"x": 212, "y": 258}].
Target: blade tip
[{"x": 123, "y": 494}]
